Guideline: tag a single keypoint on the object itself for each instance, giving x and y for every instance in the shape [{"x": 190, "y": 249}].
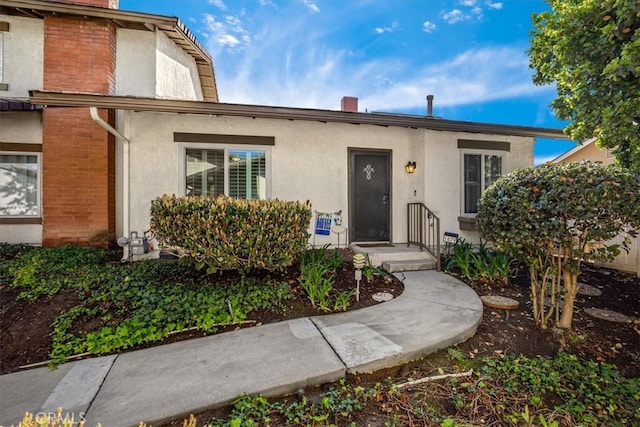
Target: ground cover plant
[
  {"x": 511, "y": 373},
  {"x": 521, "y": 374},
  {"x": 68, "y": 301}
]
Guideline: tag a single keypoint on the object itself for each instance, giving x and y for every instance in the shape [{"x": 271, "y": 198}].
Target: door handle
[{"x": 385, "y": 199}]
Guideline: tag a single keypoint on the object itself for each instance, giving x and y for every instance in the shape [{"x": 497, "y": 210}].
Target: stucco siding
[
  {"x": 136, "y": 63},
  {"x": 443, "y": 180},
  {"x": 176, "y": 72},
  {"x": 310, "y": 161},
  {"x": 590, "y": 152},
  {"x": 22, "y": 56},
  {"x": 21, "y": 127}
]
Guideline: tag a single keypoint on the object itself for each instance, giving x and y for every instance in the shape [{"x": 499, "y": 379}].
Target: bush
[
  {"x": 232, "y": 234},
  {"x": 484, "y": 263},
  {"x": 554, "y": 216}
]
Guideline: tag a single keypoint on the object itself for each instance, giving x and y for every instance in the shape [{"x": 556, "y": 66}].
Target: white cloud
[
  {"x": 311, "y": 4},
  {"x": 454, "y": 16},
  {"x": 475, "y": 76},
  {"x": 229, "y": 34},
  {"x": 477, "y": 11},
  {"x": 394, "y": 26},
  {"x": 428, "y": 27},
  {"x": 228, "y": 40},
  {"x": 496, "y": 5},
  {"x": 468, "y": 3},
  {"x": 219, "y": 4},
  {"x": 318, "y": 77}
]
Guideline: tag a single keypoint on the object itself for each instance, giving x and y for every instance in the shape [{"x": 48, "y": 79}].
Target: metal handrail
[{"x": 423, "y": 229}]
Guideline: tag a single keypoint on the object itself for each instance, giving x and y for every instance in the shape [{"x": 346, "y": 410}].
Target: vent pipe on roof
[{"x": 429, "y": 105}]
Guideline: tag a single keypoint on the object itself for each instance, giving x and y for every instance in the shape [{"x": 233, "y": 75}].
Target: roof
[
  {"x": 171, "y": 26},
  {"x": 574, "y": 150},
  {"x": 65, "y": 99},
  {"x": 17, "y": 104}
]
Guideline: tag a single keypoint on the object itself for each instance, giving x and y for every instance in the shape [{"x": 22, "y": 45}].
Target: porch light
[{"x": 410, "y": 167}]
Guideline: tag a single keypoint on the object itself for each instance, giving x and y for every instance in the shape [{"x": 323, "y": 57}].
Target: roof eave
[
  {"x": 171, "y": 26},
  {"x": 65, "y": 99}
]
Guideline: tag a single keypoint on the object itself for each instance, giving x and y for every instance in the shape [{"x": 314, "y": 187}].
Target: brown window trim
[
  {"x": 16, "y": 146},
  {"x": 223, "y": 139},
  {"x": 19, "y": 221},
  {"x": 4, "y": 86},
  {"x": 477, "y": 144}
]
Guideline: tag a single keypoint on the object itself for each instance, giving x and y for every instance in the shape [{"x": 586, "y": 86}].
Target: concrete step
[{"x": 409, "y": 265}]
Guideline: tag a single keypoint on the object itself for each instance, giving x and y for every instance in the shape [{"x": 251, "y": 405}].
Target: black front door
[{"x": 370, "y": 194}]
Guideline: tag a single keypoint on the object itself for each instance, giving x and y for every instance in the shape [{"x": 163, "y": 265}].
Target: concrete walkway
[{"x": 161, "y": 383}]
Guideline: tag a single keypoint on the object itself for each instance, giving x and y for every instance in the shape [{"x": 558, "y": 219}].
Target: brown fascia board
[
  {"x": 170, "y": 25},
  {"x": 66, "y": 99}
]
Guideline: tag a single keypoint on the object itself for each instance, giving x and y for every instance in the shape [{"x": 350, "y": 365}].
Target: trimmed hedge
[{"x": 224, "y": 233}]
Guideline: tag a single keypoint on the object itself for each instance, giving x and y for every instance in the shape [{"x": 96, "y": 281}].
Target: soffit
[
  {"x": 13, "y": 104},
  {"x": 171, "y": 26},
  {"x": 64, "y": 99}
]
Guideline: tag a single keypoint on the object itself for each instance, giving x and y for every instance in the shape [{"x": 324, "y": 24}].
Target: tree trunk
[{"x": 571, "y": 290}]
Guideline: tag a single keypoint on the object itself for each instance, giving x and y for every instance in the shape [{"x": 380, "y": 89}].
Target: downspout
[{"x": 125, "y": 166}]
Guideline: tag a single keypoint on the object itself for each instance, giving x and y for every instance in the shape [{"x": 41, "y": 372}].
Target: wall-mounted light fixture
[{"x": 410, "y": 167}]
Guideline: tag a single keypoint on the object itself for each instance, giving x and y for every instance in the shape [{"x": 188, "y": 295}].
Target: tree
[
  {"x": 591, "y": 50},
  {"x": 553, "y": 217}
]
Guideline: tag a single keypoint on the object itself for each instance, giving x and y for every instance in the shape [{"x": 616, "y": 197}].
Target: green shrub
[
  {"x": 232, "y": 234},
  {"x": 554, "y": 216},
  {"x": 483, "y": 263},
  {"x": 317, "y": 277}
]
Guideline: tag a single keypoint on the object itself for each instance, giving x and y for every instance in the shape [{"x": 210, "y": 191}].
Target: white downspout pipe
[{"x": 125, "y": 166}]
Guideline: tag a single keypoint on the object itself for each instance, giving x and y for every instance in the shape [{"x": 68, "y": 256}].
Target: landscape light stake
[{"x": 358, "y": 265}]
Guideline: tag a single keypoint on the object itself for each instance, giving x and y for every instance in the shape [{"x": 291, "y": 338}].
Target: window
[
  {"x": 20, "y": 184},
  {"x": 234, "y": 172},
  {"x": 479, "y": 172}
]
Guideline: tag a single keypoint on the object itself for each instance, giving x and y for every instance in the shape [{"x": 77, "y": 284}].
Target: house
[
  {"x": 589, "y": 150},
  {"x": 94, "y": 146}
]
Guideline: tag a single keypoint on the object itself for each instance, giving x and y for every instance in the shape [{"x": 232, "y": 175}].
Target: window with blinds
[{"x": 233, "y": 172}]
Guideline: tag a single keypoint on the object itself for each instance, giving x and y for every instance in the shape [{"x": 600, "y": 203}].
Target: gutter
[
  {"x": 125, "y": 166},
  {"x": 65, "y": 99}
]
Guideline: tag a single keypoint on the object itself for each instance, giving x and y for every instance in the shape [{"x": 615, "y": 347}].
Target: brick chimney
[
  {"x": 349, "y": 103},
  {"x": 111, "y": 4},
  {"x": 78, "y": 156}
]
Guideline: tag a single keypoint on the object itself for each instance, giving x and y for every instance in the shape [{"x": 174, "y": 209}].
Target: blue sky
[{"x": 470, "y": 54}]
